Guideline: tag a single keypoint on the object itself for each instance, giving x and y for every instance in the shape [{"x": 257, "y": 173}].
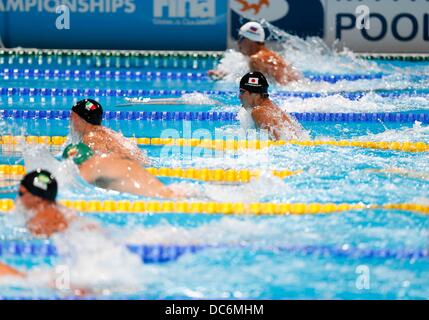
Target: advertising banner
[
  {"x": 379, "y": 26},
  {"x": 115, "y": 24},
  {"x": 361, "y": 25}
]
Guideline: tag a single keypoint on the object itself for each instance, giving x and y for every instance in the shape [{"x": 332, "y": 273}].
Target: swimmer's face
[
  {"x": 28, "y": 200},
  {"x": 76, "y": 122},
  {"x": 245, "y": 98},
  {"x": 244, "y": 46}
]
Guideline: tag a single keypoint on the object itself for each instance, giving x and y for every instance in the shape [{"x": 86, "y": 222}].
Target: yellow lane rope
[
  {"x": 215, "y": 175},
  {"x": 235, "y": 145},
  {"x": 278, "y": 209}
]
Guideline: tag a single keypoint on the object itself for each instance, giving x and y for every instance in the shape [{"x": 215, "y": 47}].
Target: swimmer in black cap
[
  {"x": 86, "y": 118},
  {"x": 70, "y": 234},
  {"x": 37, "y": 193},
  {"x": 123, "y": 175},
  {"x": 266, "y": 115}
]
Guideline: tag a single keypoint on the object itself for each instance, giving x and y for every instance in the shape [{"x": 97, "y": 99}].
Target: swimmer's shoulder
[{"x": 48, "y": 221}]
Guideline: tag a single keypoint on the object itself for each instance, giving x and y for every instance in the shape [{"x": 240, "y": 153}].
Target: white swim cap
[{"x": 253, "y": 31}]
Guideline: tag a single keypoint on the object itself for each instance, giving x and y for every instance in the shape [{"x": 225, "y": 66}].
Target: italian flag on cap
[{"x": 90, "y": 106}]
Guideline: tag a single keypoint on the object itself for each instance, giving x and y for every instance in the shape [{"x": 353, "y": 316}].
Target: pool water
[{"x": 361, "y": 254}]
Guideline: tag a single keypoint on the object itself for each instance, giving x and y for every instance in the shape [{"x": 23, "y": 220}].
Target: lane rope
[
  {"x": 395, "y": 117},
  {"x": 169, "y": 253},
  {"x": 203, "y": 174},
  {"x": 139, "y": 93},
  {"x": 224, "y": 208},
  {"x": 168, "y": 54},
  {"x": 30, "y": 73},
  {"x": 234, "y": 145}
]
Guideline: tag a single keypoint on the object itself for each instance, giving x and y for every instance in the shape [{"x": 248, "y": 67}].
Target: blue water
[{"x": 330, "y": 175}]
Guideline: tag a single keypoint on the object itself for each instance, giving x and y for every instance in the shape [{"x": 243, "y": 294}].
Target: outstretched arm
[
  {"x": 7, "y": 271},
  {"x": 124, "y": 176},
  {"x": 216, "y": 74}
]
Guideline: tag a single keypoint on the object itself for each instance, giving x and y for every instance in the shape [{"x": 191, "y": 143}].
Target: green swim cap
[{"x": 78, "y": 152}]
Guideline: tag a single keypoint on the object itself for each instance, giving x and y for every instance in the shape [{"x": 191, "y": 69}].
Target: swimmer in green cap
[
  {"x": 112, "y": 173},
  {"x": 86, "y": 125}
]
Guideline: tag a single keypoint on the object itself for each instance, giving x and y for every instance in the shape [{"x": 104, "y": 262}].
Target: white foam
[
  {"x": 417, "y": 133},
  {"x": 254, "y": 191},
  {"x": 95, "y": 261}
]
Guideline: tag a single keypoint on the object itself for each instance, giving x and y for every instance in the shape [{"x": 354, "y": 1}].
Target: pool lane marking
[
  {"x": 14, "y": 172},
  {"x": 234, "y": 145},
  {"x": 244, "y": 209}
]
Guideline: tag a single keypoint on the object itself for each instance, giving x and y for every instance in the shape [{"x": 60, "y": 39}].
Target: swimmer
[
  {"x": 82, "y": 244},
  {"x": 251, "y": 43},
  {"x": 85, "y": 121},
  {"x": 37, "y": 194},
  {"x": 266, "y": 115},
  {"x": 123, "y": 175}
]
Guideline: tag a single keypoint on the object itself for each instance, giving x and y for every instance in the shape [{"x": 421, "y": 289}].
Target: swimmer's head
[
  {"x": 252, "y": 31},
  {"x": 78, "y": 152},
  {"x": 88, "y": 110},
  {"x": 251, "y": 38},
  {"x": 253, "y": 87},
  {"x": 37, "y": 185}
]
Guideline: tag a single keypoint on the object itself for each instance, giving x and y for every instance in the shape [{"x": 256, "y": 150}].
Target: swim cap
[
  {"x": 89, "y": 110},
  {"x": 78, "y": 152},
  {"x": 252, "y": 31},
  {"x": 41, "y": 183},
  {"x": 254, "y": 82}
]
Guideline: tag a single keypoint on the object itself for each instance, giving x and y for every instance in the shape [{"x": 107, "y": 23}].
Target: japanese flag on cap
[
  {"x": 254, "y": 81},
  {"x": 253, "y": 31}
]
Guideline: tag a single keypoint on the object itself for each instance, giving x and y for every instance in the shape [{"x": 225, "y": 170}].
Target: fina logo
[
  {"x": 270, "y": 10},
  {"x": 202, "y": 9}
]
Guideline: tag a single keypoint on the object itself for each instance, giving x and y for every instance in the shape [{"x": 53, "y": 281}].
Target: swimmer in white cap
[{"x": 251, "y": 43}]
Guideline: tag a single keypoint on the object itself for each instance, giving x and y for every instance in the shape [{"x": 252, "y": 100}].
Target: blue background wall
[{"x": 120, "y": 30}]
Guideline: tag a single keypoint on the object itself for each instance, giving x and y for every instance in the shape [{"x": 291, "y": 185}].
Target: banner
[
  {"x": 361, "y": 25},
  {"x": 115, "y": 24},
  {"x": 379, "y": 26}
]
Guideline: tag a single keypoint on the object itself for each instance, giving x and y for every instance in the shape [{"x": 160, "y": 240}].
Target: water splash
[
  {"x": 323, "y": 58},
  {"x": 416, "y": 133},
  {"x": 254, "y": 191},
  {"x": 370, "y": 102}
]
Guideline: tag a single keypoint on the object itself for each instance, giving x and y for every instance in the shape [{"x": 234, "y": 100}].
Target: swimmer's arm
[
  {"x": 257, "y": 63},
  {"x": 216, "y": 74},
  {"x": 7, "y": 271}
]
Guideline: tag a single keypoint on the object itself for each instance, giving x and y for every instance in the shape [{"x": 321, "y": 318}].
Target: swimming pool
[{"x": 334, "y": 225}]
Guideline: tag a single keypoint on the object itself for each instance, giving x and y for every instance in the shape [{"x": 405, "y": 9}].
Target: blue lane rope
[
  {"x": 169, "y": 253},
  {"x": 137, "y": 93},
  {"x": 219, "y": 116},
  {"x": 129, "y": 74}
]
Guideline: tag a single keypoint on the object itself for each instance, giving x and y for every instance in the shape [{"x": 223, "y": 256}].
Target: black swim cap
[
  {"x": 254, "y": 82},
  {"x": 42, "y": 184},
  {"x": 89, "y": 110}
]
